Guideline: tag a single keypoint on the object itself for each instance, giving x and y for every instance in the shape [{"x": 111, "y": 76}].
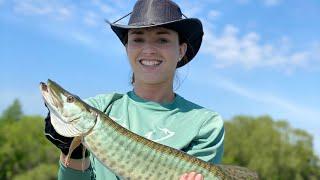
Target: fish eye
[{"x": 70, "y": 99}]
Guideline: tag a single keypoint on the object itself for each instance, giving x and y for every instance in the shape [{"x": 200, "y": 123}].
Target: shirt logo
[
  {"x": 156, "y": 135},
  {"x": 159, "y": 134}
]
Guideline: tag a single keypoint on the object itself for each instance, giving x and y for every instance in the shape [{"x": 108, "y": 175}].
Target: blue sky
[{"x": 258, "y": 57}]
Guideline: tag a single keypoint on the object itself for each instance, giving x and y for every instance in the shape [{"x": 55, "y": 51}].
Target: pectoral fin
[{"x": 74, "y": 144}]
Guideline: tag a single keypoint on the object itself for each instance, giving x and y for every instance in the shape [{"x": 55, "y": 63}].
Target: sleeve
[
  {"x": 66, "y": 173},
  {"x": 208, "y": 144},
  {"x": 102, "y": 101}
]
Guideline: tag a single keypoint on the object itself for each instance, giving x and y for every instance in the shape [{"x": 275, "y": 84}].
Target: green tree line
[
  {"x": 25, "y": 154},
  {"x": 271, "y": 147}
]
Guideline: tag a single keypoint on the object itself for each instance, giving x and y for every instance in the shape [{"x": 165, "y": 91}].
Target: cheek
[
  {"x": 131, "y": 53},
  {"x": 172, "y": 54}
]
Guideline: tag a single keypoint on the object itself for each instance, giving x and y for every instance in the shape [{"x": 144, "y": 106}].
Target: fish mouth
[
  {"x": 67, "y": 114},
  {"x": 43, "y": 87},
  {"x": 44, "y": 92},
  {"x": 50, "y": 98},
  {"x": 54, "y": 103}
]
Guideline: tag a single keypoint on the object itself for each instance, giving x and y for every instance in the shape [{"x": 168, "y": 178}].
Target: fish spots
[
  {"x": 94, "y": 149},
  {"x": 121, "y": 143},
  {"x": 131, "y": 170},
  {"x": 98, "y": 144},
  {"x": 121, "y": 173},
  {"x": 171, "y": 176},
  {"x": 138, "y": 162},
  {"x": 104, "y": 159},
  {"x": 143, "y": 171},
  {"x": 112, "y": 163},
  {"x": 159, "y": 174},
  {"x": 122, "y": 166}
]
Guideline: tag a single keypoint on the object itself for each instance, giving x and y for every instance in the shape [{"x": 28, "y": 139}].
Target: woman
[{"x": 157, "y": 41}]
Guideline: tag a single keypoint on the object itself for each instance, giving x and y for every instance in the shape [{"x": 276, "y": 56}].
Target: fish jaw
[{"x": 69, "y": 118}]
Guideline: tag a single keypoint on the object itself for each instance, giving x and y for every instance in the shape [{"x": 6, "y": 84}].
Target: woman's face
[{"x": 154, "y": 54}]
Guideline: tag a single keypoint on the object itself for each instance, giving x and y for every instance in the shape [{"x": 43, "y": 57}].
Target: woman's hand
[
  {"x": 191, "y": 176},
  {"x": 61, "y": 142}
]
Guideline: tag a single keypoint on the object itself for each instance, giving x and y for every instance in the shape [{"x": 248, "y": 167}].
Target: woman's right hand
[
  {"x": 61, "y": 142},
  {"x": 191, "y": 176}
]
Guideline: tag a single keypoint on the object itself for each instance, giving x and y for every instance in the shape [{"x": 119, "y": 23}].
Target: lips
[{"x": 150, "y": 62}]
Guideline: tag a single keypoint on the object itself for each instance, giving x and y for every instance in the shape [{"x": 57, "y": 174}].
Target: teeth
[{"x": 150, "y": 62}]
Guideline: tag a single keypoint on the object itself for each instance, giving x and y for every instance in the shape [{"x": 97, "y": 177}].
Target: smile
[{"x": 150, "y": 62}]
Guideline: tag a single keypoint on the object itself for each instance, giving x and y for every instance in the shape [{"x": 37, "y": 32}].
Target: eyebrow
[{"x": 163, "y": 32}]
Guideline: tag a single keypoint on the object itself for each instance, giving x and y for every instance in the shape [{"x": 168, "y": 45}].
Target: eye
[
  {"x": 163, "y": 40},
  {"x": 138, "y": 40},
  {"x": 70, "y": 99}
]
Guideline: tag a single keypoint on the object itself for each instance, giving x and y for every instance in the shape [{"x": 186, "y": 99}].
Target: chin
[{"x": 153, "y": 81}]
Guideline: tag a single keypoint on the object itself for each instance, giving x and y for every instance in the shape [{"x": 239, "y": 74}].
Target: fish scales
[
  {"x": 138, "y": 158},
  {"x": 129, "y": 155}
]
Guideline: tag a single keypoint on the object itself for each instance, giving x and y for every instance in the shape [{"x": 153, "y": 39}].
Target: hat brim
[{"x": 190, "y": 29}]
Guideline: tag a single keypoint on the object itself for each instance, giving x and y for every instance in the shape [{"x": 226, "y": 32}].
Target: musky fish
[{"x": 127, "y": 154}]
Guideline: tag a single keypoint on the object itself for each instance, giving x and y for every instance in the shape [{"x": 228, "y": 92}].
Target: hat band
[{"x": 131, "y": 13}]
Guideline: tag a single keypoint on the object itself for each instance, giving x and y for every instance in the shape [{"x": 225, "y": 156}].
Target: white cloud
[
  {"x": 28, "y": 8},
  {"x": 213, "y": 14},
  {"x": 298, "y": 115},
  {"x": 264, "y": 97},
  {"x": 267, "y": 98},
  {"x": 83, "y": 38},
  {"x": 43, "y": 8},
  {"x": 246, "y": 50},
  {"x": 91, "y": 19},
  {"x": 111, "y": 10},
  {"x": 191, "y": 8},
  {"x": 63, "y": 13},
  {"x": 72, "y": 30},
  {"x": 103, "y": 7}
]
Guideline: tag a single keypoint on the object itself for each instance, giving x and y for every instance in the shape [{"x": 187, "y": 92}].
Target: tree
[
  {"x": 272, "y": 148},
  {"x": 13, "y": 112},
  {"x": 43, "y": 171},
  {"x": 24, "y": 148}
]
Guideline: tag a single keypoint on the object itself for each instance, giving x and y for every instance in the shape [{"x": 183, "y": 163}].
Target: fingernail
[
  {"x": 192, "y": 174},
  {"x": 199, "y": 177},
  {"x": 184, "y": 176}
]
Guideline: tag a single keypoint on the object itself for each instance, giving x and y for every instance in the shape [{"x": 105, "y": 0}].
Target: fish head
[{"x": 70, "y": 116}]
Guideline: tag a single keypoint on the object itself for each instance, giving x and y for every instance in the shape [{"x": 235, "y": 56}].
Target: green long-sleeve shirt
[{"x": 181, "y": 124}]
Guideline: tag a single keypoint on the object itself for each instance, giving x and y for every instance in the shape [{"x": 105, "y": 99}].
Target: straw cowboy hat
[{"x": 167, "y": 14}]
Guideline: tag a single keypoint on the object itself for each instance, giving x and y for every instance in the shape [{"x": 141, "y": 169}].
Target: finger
[
  {"x": 199, "y": 177},
  {"x": 191, "y": 176},
  {"x": 184, "y": 176}
]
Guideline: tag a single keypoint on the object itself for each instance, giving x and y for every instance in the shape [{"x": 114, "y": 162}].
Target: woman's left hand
[{"x": 191, "y": 176}]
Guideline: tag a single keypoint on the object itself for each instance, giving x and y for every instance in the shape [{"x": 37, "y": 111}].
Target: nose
[{"x": 149, "y": 48}]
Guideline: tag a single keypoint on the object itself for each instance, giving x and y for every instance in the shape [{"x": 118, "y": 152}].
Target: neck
[{"x": 157, "y": 93}]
